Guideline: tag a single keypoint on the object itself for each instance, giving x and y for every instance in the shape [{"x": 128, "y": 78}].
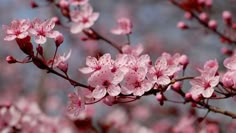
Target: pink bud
[
  {"x": 56, "y": 20},
  {"x": 227, "y": 17},
  {"x": 59, "y": 39},
  {"x": 64, "y": 4},
  {"x": 208, "y": 3},
  {"x": 188, "y": 15},
  {"x": 184, "y": 60},
  {"x": 161, "y": 98},
  {"x": 226, "y": 51},
  {"x": 182, "y": 25},
  {"x": 33, "y": 4},
  {"x": 11, "y": 59},
  {"x": 63, "y": 66},
  {"x": 204, "y": 17},
  {"x": 212, "y": 24},
  {"x": 188, "y": 96},
  {"x": 177, "y": 86}
]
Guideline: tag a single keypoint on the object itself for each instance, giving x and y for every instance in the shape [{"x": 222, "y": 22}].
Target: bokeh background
[{"x": 154, "y": 26}]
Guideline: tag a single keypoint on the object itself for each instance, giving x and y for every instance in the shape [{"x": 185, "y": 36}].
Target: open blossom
[
  {"x": 230, "y": 63},
  {"x": 136, "y": 83},
  {"x": 17, "y": 29},
  {"x": 124, "y": 27},
  {"x": 94, "y": 64},
  {"x": 135, "y": 51},
  {"x": 161, "y": 72},
  {"x": 76, "y": 103},
  {"x": 205, "y": 83},
  {"x": 104, "y": 81},
  {"x": 60, "y": 61},
  {"x": 135, "y": 63},
  {"x": 83, "y": 18},
  {"x": 43, "y": 29}
]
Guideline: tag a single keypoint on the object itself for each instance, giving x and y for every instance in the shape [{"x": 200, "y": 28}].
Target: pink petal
[
  {"x": 10, "y": 37},
  {"x": 105, "y": 59},
  {"x": 161, "y": 63},
  {"x": 208, "y": 92},
  {"x": 40, "y": 39},
  {"x": 94, "y": 16},
  {"x": 91, "y": 62},
  {"x": 113, "y": 90},
  {"x": 99, "y": 92},
  {"x": 163, "y": 80},
  {"x": 86, "y": 70},
  {"x": 76, "y": 28},
  {"x": 138, "y": 92}
]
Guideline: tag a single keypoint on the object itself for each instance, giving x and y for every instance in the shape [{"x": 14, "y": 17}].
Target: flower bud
[
  {"x": 11, "y": 59},
  {"x": 188, "y": 15},
  {"x": 59, "y": 39},
  {"x": 212, "y": 24},
  {"x": 182, "y": 25},
  {"x": 33, "y": 4},
  {"x": 184, "y": 60},
  {"x": 64, "y": 4},
  {"x": 63, "y": 66},
  {"x": 226, "y": 51},
  {"x": 204, "y": 17},
  {"x": 161, "y": 98},
  {"x": 227, "y": 17},
  {"x": 188, "y": 96},
  {"x": 177, "y": 86}
]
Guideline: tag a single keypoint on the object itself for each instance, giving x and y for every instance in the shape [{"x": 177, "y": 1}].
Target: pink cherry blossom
[
  {"x": 78, "y": 2},
  {"x": 43, "y": 29},
  {"x": 83, "y": 18},
  {"x": 205, "y": 83},
  {"x": 76, "y": 103},
  {"x": 135, "y": 63},
  {"x": 160, "y": 73},
  {"x": 60, "y": 61},
  {"x": 135, "y": 51},
  {"x": 230, "y": 63},
  {"x": 124, "y": 27},
  {"x": 136, "y": 83},
  {"x": 94, "y": 64},
  {"x": 104, "y": 82},
  {"x": 17, "y": 29},
  {"x": 229, "y": 79}
]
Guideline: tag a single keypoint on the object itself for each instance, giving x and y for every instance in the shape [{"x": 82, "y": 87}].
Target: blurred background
[{"x": 154, "y": 26}]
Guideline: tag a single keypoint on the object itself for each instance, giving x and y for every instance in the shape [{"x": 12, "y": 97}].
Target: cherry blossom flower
[
  {"x": 160, "y": 73},
  {"x": 78, "y": 2},
  {"x": 83, "y": 18},
  {"x": 43, "y": 29},
  {"x": 94, "y": 64},
  {"x": 136, "y": 83},
  {"x": 135, "y": 51},
  {"x": 205, "y": 83},
  {"x": 104, "y": 82},
  {"x": 76, "y": 103},
  {"x": 135, "y": 63},
  {"x": 230, "y": 63},
  {"x": 17, "y": 29},
  {"x": 60, "y": 61},
  {"x": 229, "y": 79},
  {"x": 124, "y": 27}
]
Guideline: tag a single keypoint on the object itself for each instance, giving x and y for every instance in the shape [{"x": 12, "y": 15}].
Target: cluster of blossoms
[
  {"x": 20, "y": 29},
  {"x": 26, "y": 116},
  {"x": 229, "y": 78},
  {"x": 204, "y": 84},
  {"x": 130, "y": 72}
]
